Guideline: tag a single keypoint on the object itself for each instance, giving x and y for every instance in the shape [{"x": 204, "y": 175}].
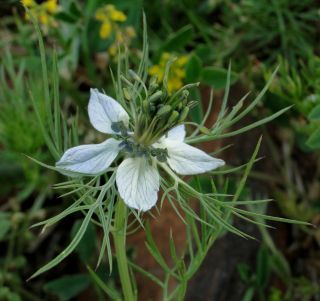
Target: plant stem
[{"x": 119, "y": 237}]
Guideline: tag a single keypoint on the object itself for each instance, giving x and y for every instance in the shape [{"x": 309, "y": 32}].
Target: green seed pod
[
  {"x": 185, "y": 93},
  {"x": 184, "y": 114},
  {"x": 164, "y": 110},
  {"x": 173, "y": 117},
  {"x": 145, "y": 105},
  {"x": 154, "y": 97},
  {"x": 204, "y": 130},
  {"x": 134, "y": 75},
  {"x": 126, "y": 93}
]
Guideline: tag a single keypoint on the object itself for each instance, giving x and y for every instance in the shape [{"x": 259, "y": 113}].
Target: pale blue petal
[
  {"x": 89, "y": 159},
  {"x": 138, "y": 183},
  {"x": 104, "y": 110}
]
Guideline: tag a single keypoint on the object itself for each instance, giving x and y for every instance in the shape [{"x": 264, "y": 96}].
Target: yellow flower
[
  {"x": 105, "y": 30},
  {"x": 130, "y": 32},
  {"x": 174, "y": 84},
  {"x": 117, "y": 15},
  {"x": 43, "y": 12},
  {"x": 176, "y": 72},
  {"x": 100, "y": 15},
  {"x": 119, "y": 37},
  {"x": 43, "y": 18},
  {"x": 51, "y": 6},
  {"x": 123, "y": 37},
  {"x": 28, "y": 3},
  {"x": 182, "y": 60},
  {"x": 157, "y": 71},
  {"x": 113, "y": 50},
  {"x": 108, "y": 15}
]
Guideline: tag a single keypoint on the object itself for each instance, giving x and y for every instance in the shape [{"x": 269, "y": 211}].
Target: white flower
[{"x": 137, "y": 176}]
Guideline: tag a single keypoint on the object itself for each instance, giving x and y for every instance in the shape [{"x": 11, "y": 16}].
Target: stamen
[{"x": 120, "y": 128}]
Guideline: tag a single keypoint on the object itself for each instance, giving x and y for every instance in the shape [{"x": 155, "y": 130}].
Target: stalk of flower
[{"x": 154, "y": 138}]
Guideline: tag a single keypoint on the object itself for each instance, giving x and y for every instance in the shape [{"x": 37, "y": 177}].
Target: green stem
[{"x": 119, "y": 237}]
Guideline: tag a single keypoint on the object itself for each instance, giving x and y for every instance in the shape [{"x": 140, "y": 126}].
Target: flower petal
[
  {"x": 138, "y": 183},
  {"x": 188, "y": 160},
  {"x": 89, "y": 159},
  {"x": 177, "y": 133},
  {"x": 104, "y": 110}
]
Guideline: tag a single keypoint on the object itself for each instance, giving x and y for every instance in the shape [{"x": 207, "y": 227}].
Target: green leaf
[
  {"x": 280, "y": 266},
  {"x": 87, "y": 245},
  {"x": 248, "y": 296},
  {"x": 75, "y": 10},
  {"x": 153, "y": 249},
  {"x": 315, "y": 113},
  {"x": 314, "y": 140},
  {"x": 110, "y": 291},
  {"x": 66, "y": 17},
  {"x": 70, "y": 248},
  {"x": 196, "y": 112},
  {"x": 193, "y": 69},
  {"x": 68, "y": 286},
  {"x": 205, "y": 52},
  {"x": 179, "y": 39},
  {"x": 216, "y": 77}
]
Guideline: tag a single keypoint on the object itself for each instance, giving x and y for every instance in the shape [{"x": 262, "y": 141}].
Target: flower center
[
  {"x": 137, "y": 150},
  {"x": 120, "y": 128},
  {"x": 160, "y": 112}
]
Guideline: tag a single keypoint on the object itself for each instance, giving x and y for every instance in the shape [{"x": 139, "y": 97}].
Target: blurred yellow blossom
[
  {"x": 122, "y": 37},
  {"x": 51, "y": 5},
  {"x": 28, "y": 3},
  {"x": 117, "y": 15},
  {"x": 105, "y": 30},
  {"x": 108, "y": 15},
  {"x": 43, "y": 12},
  {"x": 176, "y": 72},
  {"x": 44, "y": 18}
]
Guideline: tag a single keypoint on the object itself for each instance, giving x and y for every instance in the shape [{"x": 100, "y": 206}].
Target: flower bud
[
  {"x": 145, "y": 105},
  {"x": 184, "y": 114},
  {"x": 164, "y": 110},
  {"x": 153, "y": 84},
  {"x": 154, "y": 97},
  {"x": 134, "y": 75},
  {"x": 204, "y": 130},
  {"x": 126, "y": 94},
  {"x": 173, "y": 117},
  {"x": 185, "y": 93}
]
